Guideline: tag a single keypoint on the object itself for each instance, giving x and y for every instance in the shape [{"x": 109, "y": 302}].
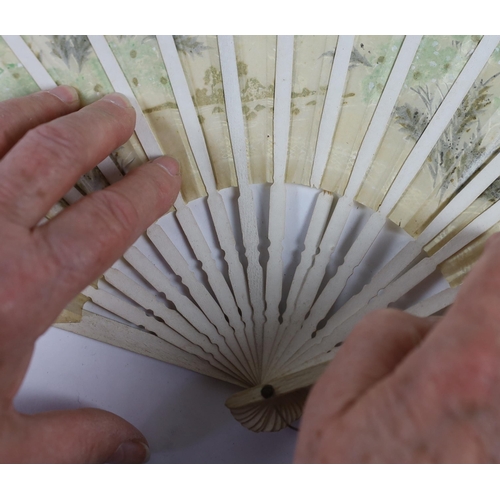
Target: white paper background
[{"x": 181, "y": 413}]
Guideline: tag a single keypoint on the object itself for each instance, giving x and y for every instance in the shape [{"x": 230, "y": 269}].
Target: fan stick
[
  {"x": 319, "y": 222},
  {"x": 323, "y": 205},
  {"x": 312, "y": 276},
  {"x": 72, "y": 196},
  {"x": 214, "y": 200},
  {"x": 193, "y": 313},
  {"x": 404, "y": 283},
  {"x": 306, "y": 377},
  {"x": 110, "y": 171},
  {"x": 120, "y": 335},
  {"x": 188, "y": 309},
  {"x": 138, "y": 317},
  {"x": 199, "y": 293},
  {"x": 32, "y": 65},
  {"x": 434, "y": 304},
  {"x": 155, "y": 277},
  {"x": 43, "y": 79},
  {"x": 183, "y": 213},
  {"x": 277, "y": 202},
  {"x": 332, "y": 107},
  {"x": 439, "y": 122},
  {"x": 407, "y": 173},
  {"x": 171, "y": 317},
  {"x": 120, "y": 84},
  {"x": 413, "y": 249},
  {"x": 409, "y": 170},
  {"x": 246, "y": 203}
]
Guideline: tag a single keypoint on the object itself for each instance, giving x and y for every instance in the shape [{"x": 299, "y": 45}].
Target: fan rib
[
  {"x": 192, "y": 312},
  {"x": 409, "y": 170},
  {"x": 311, "y": 280},
  {"x": 110, "y": 170},
  {"x": 43, "y": 79},
  {"x": 120, "y": 84},
  {"x": 138, "y": 317},
  {"x": 439, "y": 122},
  {"x": 302, "y": 379},
  {"x": 171, "y": 317},
  {"x": 183, "y": 213},
  {"x": 200, "y": 294},
  {"x": 28, "y": 59},
  {"x": 332, "y": 107},
  {"x": 72, "y": 196},
  {"x": 277, "y": 202},
  {"x": 319, "y": 221},
  {"x": 434, "y": 304},
  {"x": 214, "y": 200},
  {"x": 114, "y": 333},
  {"x": 396, "y": 266},
  {"x": 403, "y": 284},
  {"x": 407, "y": 173},
  {"x": 246, "y": 203},
  {"x": 161, "y": 283}
]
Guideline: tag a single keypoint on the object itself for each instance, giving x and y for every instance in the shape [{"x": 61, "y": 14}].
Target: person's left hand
[{"x": 46, "y": 144}]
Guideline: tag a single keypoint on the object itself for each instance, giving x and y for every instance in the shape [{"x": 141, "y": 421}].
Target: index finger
[
  {"x": 50, "y": 158},
  {"x": 21, "y": 114}
]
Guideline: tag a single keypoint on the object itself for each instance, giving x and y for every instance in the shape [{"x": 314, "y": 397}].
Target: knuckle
[
  {"x": 54, "y": 141},
  {"x": 116, "y": 222},
  {"x": 117, "y": 212}
]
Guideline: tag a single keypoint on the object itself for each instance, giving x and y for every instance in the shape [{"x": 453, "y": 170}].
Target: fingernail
[
  {"x": 65, "y": 94},
  {"x": 130, "y": 452},
  {"x": 118, "y": 99},
  {"x": 168, "y": 164}
]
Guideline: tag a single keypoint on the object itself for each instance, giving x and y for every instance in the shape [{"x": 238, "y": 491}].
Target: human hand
[
  {"x": 46, "y": 144},
  {"x": 407, "y": 389}
]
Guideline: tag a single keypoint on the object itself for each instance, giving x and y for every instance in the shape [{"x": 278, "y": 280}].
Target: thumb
[
  {"x": 75, "y": 436},
  {"x": 375, "y": 347}
]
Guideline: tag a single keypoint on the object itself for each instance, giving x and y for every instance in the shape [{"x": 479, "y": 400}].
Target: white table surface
[{"x": 181, "y": 413}]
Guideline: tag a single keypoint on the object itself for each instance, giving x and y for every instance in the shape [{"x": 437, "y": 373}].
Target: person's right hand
[
  {"x": 46, "y": 144},
  {"x": 407, "y": 389}
]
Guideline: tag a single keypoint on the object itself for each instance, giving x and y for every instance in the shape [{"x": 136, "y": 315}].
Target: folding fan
[{"x": 323, "y": 177}]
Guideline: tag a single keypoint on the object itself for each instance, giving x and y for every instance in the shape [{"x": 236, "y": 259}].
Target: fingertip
[
  {"x": 170, "y": 165},
  {"x": 131, "y": 452},
  {"x": 169, "y": 180},
  {"x": 118, "y": 99},
  {"x": 66, "y": 94}
]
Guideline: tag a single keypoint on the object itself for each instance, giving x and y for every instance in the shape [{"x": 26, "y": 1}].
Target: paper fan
[{"x": 323, "y": 177}]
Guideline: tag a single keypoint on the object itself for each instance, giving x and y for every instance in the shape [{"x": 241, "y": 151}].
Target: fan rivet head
[{"x": 267, "y": 391}]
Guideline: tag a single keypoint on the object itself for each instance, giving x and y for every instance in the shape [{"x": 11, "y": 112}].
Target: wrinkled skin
[
  {"x": 406, "y": 389},
  {"x": 46, "y": 143}
]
